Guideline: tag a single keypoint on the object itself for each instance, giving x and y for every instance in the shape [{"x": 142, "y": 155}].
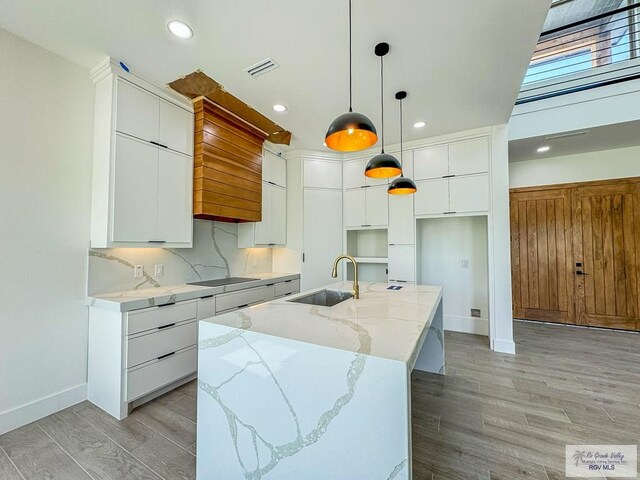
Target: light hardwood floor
[{"x": 491, "y": 417}]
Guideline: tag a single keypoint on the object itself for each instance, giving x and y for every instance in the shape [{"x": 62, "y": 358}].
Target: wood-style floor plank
[
  {"x": 7, "y": 470},
  {"x": 167, "y": 459}
]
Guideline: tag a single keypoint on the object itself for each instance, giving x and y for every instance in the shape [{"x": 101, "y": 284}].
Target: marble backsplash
[{"x": 215, "y": 254}]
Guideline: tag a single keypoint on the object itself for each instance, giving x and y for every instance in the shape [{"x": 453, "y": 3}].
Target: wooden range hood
[
  {"x": 229, "y": 136},
  {"x": 227, "y": 181}
]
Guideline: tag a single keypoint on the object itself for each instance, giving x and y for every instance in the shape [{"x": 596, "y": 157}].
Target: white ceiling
[
  {"x": 461, "y": 61},
  {"x": 607, "y": 137}
]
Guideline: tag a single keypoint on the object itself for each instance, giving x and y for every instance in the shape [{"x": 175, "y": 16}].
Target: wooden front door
[
  {"x": 606, "y": 238},
  {"x": 575, "y": 253},
  {"x": 541, "y": 255}
]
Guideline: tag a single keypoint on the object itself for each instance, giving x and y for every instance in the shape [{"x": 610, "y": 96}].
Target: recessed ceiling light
[
  {"x": 419, "y": 124},
  {"x": 280, "y": 108},
  {"x": 544, "y": 148},
  {"x": 180, "y": 29}
]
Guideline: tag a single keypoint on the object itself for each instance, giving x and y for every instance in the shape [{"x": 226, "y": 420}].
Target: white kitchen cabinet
[
  {"x": 376, "y": 206},
  {"x": 431, "y": 162},
  {"x": 354, "y": 177},
  {"x": 469, "y": 193},
  {"x": 272, "y": 230},
  {"x": 468, "y": 157},
  {"x": 320, "y": 173},
  {"x": 401, "y": 219},
  {"x": 175, "y": 196},
  {"x": 142, "y": 188},
  {"x": 432, "y": 197},
  {"x": 402, "y": 263},
  {"x": 274, "y": 169},
  {"x": 354, "y": 208},
  {"x": 135, "y": 191}
]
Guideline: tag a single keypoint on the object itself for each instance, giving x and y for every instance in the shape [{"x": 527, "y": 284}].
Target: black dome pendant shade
[
  {"x": 382, "y": 165},
  {"x": 351, "y": 131},
  {"x": 401, "y": 185}
]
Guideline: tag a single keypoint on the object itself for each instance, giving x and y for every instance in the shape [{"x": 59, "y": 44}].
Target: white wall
[
  {"x": 46, "y": 125},
  {"x": 443, "y": 243},
  {"x": 584, "y": 167}
]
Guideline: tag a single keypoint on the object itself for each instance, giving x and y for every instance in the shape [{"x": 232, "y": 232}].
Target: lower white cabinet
[
  {"x": 272, "y": 230},
  {"x": 402, "y": 263},
  {"x": 136, "y": 356}
]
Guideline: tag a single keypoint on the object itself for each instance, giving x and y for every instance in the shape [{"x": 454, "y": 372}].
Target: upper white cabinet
[
  {"x": 146, "y": 116},
  {"x": 274, "y": 169},
  {"x": 459, "y": 158},
  {"x": 354, "y": 177},
  {"x": 142, "y": 164},
  {"x": 272, "y": 230},
  {"x": 401, "y": 215},
  {"x": 471, "y": 156},
  {"x": 366, "y": 207},
  {"x": 320, "y": 173}
]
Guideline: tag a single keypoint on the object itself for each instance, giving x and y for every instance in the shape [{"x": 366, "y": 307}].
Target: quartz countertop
[
  {"x": 385, "y": 323},
  {"x": 148, "y": 297}
]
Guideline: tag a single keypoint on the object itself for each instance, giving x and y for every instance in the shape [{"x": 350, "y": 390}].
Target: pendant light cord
[
  {"x": 382, "y": 96},
  {"x": 350, "y": 74},
  {"x": 401, "y": 162}
]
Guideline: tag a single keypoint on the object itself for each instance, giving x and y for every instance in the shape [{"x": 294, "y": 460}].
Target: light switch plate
[
  {"x": 159, "y": 270},
  {"x": 475, "y": 313},
  {"x": 138, "y": 271},
  {"x": 465, "y": 263}
]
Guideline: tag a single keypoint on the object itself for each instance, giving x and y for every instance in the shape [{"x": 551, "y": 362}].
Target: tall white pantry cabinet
[{"x": 142, "y": 192}]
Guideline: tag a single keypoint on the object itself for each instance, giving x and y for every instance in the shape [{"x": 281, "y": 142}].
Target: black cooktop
[{"x": 222, "y": 281}]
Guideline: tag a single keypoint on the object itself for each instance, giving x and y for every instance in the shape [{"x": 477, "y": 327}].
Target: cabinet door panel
[
  {"x": 135, "y": 211},
  {"x": 353, "y": 174},
  {"x": 354, "y": 208},
  {"x": 469, "y": 194},
  {"x": 432, "y": 197},
  {"x": 278, "y": 170},
  {"x": 279, "y": 215},
  {"x": 264, "y": 228},
  {"x": 468, "y": 157},
  {"x": 377, "y": 205},
  {"x": 175, "y": 202},
  {"x": 176, "y": 128},
  {"x": 401, "y": 219},
  {"x": 432, "y": 162},
  {"x": 137, "y": 112},
  {"x": 322, "y": 174},
  {"x": 402, "y": 263}
]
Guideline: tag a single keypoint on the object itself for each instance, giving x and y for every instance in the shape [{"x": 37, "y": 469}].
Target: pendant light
[
  {"x": 351, "y": 131},
  {"x": 382, "y": 165},
  {"x": 401, "y": 185}
]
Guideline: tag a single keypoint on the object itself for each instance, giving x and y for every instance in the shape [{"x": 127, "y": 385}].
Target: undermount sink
[{"x": 324, "y": 298}]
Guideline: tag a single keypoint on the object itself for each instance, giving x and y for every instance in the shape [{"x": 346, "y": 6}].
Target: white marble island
[{"x": 296, "y": 391}]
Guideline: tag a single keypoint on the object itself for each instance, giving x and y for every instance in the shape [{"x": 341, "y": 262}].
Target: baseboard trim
[
  {"x": 30, "y": 412},
  {"x": 477, "y": 326},
  {"x": 504, "y": 346}
]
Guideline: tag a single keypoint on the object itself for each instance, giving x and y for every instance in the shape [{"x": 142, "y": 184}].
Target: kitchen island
[{"x": 292, "y": 390}]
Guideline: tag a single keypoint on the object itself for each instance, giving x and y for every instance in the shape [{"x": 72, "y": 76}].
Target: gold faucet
[{"x": 334, "y": 273}]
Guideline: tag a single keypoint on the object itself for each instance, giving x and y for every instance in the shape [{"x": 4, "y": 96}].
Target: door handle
[{"x": 580, "y": 272}]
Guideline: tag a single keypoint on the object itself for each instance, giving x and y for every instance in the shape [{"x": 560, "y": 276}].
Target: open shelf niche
[{"x": 370, "y": 249}]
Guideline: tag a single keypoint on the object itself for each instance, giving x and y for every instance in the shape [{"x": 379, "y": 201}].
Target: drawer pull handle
[
  {"x": 157, "y": 241},
  {"x": 166, "y": 355},
  {"x": 270, "y": 284},
  {"x": 208, "y": 296},
  {"x": 288, "y": 281},
  {"x": 448, "y": 176},
  {"x": 166, "y": 304},
  {"x": 167, "y": 326},
  {"x": 157, "y": 144},
  {"x": 290, "y": 293},
  {"x": 448, "y": 213},
  {"x": 243, "y": 306}
]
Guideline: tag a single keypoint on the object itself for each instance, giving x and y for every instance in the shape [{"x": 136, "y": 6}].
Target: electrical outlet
[
  {"x": 159, "y": 270},
  {"x": 138, "y": 271},
  {"x": 475, "y": 312},
  {"x": 465, "y": 263}
]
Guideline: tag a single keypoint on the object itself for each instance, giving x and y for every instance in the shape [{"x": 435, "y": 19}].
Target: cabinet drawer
[
  {"x": 143, "y": 380},
  {"x": 162, "y": 342},
  {"x": 206, "y": 307},
  {"x": 155, "y": 317},
  {"x": 229, "y": 301},
  {"x": 285, "y": 288}
]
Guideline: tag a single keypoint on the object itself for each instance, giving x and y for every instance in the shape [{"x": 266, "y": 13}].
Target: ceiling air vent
[{"x": 262, "y": 67}]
